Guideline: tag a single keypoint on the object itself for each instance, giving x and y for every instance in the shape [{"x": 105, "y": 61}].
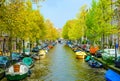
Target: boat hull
[
  {"x": 111, "y": 75},
  {"x": 80, "y": 56},
  {"x": 87, "y": 58},
  {"x": 42, "y": 56},
  {"x": 28, "y": 61},
  {"x": 95, "y": 64},
  {"x": 17, "y": 72},
  {"x": 16, "y": 76}
]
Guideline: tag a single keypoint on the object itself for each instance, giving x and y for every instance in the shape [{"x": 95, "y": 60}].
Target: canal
[{"x": 60, "y": 64}]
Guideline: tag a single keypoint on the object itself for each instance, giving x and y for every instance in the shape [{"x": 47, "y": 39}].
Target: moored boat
[
  {"x": 35, "y": 56},
  {"x": 26, "y": 52},
  {"x": 4, "y": 62},
  {"x": 80, "y": 55},
  {"x": 17, "y": 71},
  {"x": 94, "y": 64},
  {"x": 16, "y": 57},
  {"x": 28, "y": 61},
  {"x": 111, "y": 75},
  {"x": 88, "y": 57},
  {"x": 42, "y": 54},
  {"x": 50, "y": 46}
]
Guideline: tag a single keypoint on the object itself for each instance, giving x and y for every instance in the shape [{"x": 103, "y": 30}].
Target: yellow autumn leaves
[{"x": 19, "y": 20}]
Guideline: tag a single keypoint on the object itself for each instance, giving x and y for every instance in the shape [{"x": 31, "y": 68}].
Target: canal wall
[{"x": 108, "y": 66}]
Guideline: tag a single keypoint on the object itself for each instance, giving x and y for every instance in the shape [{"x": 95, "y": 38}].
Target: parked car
[
  {"x": 117, "y": 62},
  {"x": 98, "y": 54},
  {"x": 109, "y": 55}
]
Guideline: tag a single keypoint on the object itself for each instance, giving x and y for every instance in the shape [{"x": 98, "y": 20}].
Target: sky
[{"x": 60, "y": 11}]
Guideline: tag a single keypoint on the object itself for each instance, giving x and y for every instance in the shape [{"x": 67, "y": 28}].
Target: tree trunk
[
  {"x": 23, "y": 46},
  {"x": 103, "y": 40},
  {"x": 20, "y": 46},
  {"x": 4, "y": 45},
  {"x": 16, "y": 44},
  {"x": 10, "y": 46},
  {"x": 30, "y": 46},
  {"x": 37, "y": 42}
]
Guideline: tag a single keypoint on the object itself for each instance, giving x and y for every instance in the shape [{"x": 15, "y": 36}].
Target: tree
[
  {"x": 20, "y": 21},
  {"x": 51, "y": 31},
  {"x": 65, "y": 31},
  {"x": 74, "y": 29},
  {"x": 99, "y": 20}
]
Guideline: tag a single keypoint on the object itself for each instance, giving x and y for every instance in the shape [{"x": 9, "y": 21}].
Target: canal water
[{"x": 60, "y": 64}]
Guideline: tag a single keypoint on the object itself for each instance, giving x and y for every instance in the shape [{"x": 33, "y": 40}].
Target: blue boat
[
  {"x": 111, "y": 75},
  {"x": 68, "y": 42},
  {"x": 16, "y": 57},
  {"x": 28, "y": 61},
  {"x": 95, "y": 64},
  {"x": 4, "y": 62}
]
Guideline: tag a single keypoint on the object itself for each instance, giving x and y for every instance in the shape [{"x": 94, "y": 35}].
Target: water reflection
[{"x": 61, "y": 65}]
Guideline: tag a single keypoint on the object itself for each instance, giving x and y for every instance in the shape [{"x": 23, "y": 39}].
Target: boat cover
[
  {"x": 27, "y": 61},
  {"x": 3, "y": 59},
  {"x": 15, "y": 56},
  {"x": 110, "y": 75}
]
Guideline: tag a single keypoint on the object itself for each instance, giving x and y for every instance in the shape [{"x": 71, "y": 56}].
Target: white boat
[{"x": 17, "y": 71}]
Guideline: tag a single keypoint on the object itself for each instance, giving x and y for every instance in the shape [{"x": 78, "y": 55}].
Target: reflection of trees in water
[
  {"x": 96, "y": 75},
  {"x": 41, "y": 69}
]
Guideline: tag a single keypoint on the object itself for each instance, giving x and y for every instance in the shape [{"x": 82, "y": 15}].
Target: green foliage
[
  {"x": 65, "y": 30},
  {"x": 51, "y": 32},
  {"x": 74, "y": 29},
  {"x": 18, "y": 20},
  {"x": 99, "y": 20}
]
